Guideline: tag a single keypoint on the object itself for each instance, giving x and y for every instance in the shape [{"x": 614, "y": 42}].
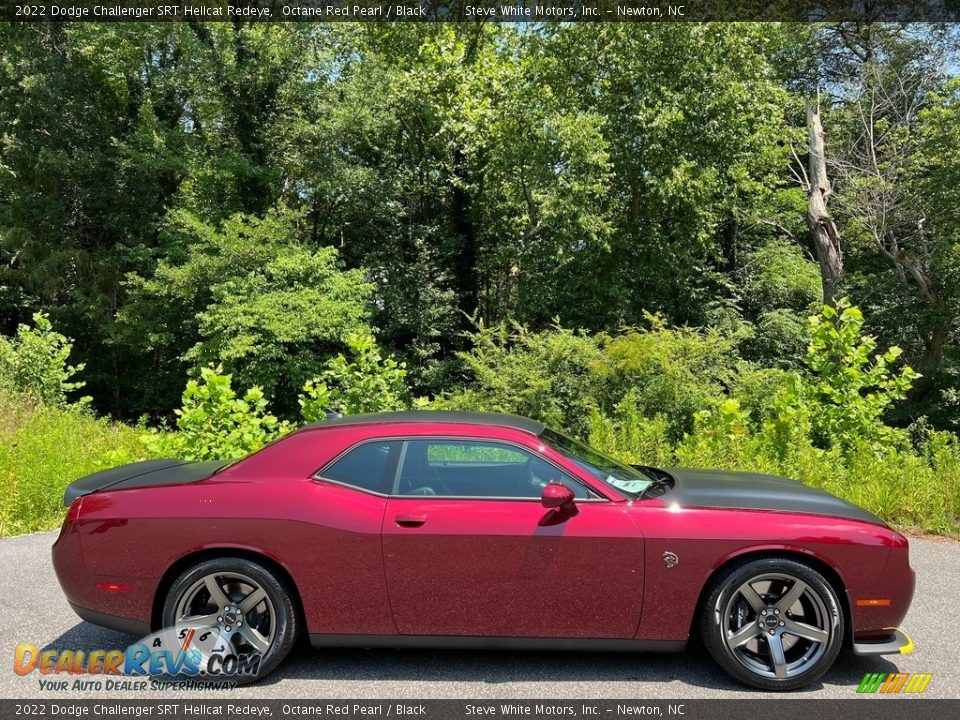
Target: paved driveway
[{"x": 32, "y": 609}]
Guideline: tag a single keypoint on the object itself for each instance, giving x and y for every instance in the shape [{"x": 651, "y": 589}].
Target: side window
[
  {"x": 476, "y": 468},
  {"x": 369, "y": 466}
]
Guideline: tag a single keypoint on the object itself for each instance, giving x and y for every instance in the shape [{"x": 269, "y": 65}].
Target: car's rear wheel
[
  {"x": 773, "y": 623},
  {"x": 252, "y": 612}
]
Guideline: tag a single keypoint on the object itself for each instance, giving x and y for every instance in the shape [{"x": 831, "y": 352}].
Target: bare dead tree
[{"x": 823, "y": 229}]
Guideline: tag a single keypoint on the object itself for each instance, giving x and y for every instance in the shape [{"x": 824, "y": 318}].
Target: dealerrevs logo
[{"x": 191, "y": 652}]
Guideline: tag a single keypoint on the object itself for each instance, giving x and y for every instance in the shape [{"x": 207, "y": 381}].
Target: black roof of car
[{"x": 443, "y": 416}]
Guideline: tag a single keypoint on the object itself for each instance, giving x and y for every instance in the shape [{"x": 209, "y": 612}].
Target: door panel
[{"x": 512, "y": 568}]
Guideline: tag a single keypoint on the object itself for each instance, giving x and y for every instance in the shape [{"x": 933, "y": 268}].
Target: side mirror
[{"x": 555, "y": 495}]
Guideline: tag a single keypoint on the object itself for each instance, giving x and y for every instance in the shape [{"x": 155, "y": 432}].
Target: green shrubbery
[
  {"x": 47, "y": 442},
  {"x": 547, "y": 375},
  {"x": 368, "y": 382},
  {"x": 215, "y": 424},
  {"x": 43, "y": 449},
  {"x": 654, "y": 395},
  {"x": 684, "y": 397},
  {"x": 34, "y": 363}
]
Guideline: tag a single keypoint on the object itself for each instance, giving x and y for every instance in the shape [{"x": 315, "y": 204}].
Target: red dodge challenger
[{"x": 474, "y": 530}]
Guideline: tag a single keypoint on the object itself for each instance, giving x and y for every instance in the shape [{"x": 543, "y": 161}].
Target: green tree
[
  {"x": 247, "y": 295},
  {"x": 694, "y": 121},
  {"x": 93, "y": 152}
]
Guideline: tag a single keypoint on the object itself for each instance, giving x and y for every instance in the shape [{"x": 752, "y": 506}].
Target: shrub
[
  {"x": 367, "y": 382},
  {"x": 911, "y": 489},
  {"x": 215, "y": 424},
  {"x": 549, "y": 375},
  {"x": 850, "y": 386},
  {"x": 34, "y": 362},
  {"x": 823, "y": 427},
  {"x": 672, "y": 372},
  {"x": 631, "y": 436}
]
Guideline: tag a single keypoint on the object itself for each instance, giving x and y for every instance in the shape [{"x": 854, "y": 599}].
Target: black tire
[
  {"x": 277, "y": 605},
  {"x": 747, "y": 618}
]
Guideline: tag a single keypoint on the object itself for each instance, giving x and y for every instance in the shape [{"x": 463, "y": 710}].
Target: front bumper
[{"x": 898, "y": 642}]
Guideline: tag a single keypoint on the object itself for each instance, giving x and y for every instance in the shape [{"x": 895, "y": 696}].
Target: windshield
[{"x": 630, "y": 481}]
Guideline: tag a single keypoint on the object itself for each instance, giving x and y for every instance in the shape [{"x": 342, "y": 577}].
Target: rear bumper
[
  {"x": 128, "y": 610},
  {"x": 124, "y": 625},
  {"x": 897, "y": 643}
]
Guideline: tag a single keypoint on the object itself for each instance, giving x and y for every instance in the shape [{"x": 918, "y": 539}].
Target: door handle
[{"x": 411, "y": 521}]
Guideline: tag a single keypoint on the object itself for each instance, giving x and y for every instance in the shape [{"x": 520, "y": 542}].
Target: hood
[{"x": 753, "y": 491}]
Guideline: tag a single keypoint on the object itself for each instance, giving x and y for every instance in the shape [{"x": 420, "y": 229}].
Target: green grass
[{"x": 44, "y": 449}]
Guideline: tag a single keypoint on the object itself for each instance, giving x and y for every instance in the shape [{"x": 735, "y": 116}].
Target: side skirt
[{"x": 323, "y": 640}]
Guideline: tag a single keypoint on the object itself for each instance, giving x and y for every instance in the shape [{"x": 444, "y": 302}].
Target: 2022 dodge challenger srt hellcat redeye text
[{"x": 434, "y": 529}]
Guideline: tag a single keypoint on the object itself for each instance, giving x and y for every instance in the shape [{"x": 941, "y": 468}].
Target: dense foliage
[
  {"x": 608, "y": 227},
  {"x": 35, "y": 363}
]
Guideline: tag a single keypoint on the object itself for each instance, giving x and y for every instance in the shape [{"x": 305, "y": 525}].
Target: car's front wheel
[
  {"x": 246, "y": 617},
  {"x": 773, "y": 623}
]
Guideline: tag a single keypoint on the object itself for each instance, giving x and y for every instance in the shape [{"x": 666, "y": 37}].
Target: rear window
[{"x": 370, "y": 466}]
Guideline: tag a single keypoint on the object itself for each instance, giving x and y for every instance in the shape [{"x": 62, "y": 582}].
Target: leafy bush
[
  {"x": 367, "y": 382},
  {"x": 630, "y": 435},
  {"x": 546, "y": 375},
  {"x": 672, "y": 372},
  {"x": 851, "y": 387},
  {"x": 915, "y": 489},
  {"x": 629, "y": 395},
  {"x": 910, "y": 488},
  {"x": 823, "y": 427},
  {"x": 35, "y": 363},
  {"x": 215, "y": 424}
]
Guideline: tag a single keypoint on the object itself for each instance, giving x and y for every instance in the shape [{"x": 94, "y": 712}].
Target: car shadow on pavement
[{"x": 692, "y": 667}]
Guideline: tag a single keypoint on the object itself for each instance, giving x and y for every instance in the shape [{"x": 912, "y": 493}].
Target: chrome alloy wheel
[
  {"x": 234, "y": 603},
  {"x": 776, "y": 625}
]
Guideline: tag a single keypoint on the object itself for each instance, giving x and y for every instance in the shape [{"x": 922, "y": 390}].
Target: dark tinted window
[
  {"x": 370, "y": 466},
  {"x": 467, "y": 468}
]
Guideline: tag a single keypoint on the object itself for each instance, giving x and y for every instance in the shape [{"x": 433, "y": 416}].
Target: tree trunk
[
  {"x": 826, "y": 236},
  {"x": 933, "y": 354},
  {"x": 936, "y": 344}
]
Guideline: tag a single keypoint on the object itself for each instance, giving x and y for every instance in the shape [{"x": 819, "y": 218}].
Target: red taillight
[{"x": 112, "y": 587}]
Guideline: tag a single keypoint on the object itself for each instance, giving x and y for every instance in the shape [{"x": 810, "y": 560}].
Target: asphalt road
[{"x": 33, "y": 610}]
